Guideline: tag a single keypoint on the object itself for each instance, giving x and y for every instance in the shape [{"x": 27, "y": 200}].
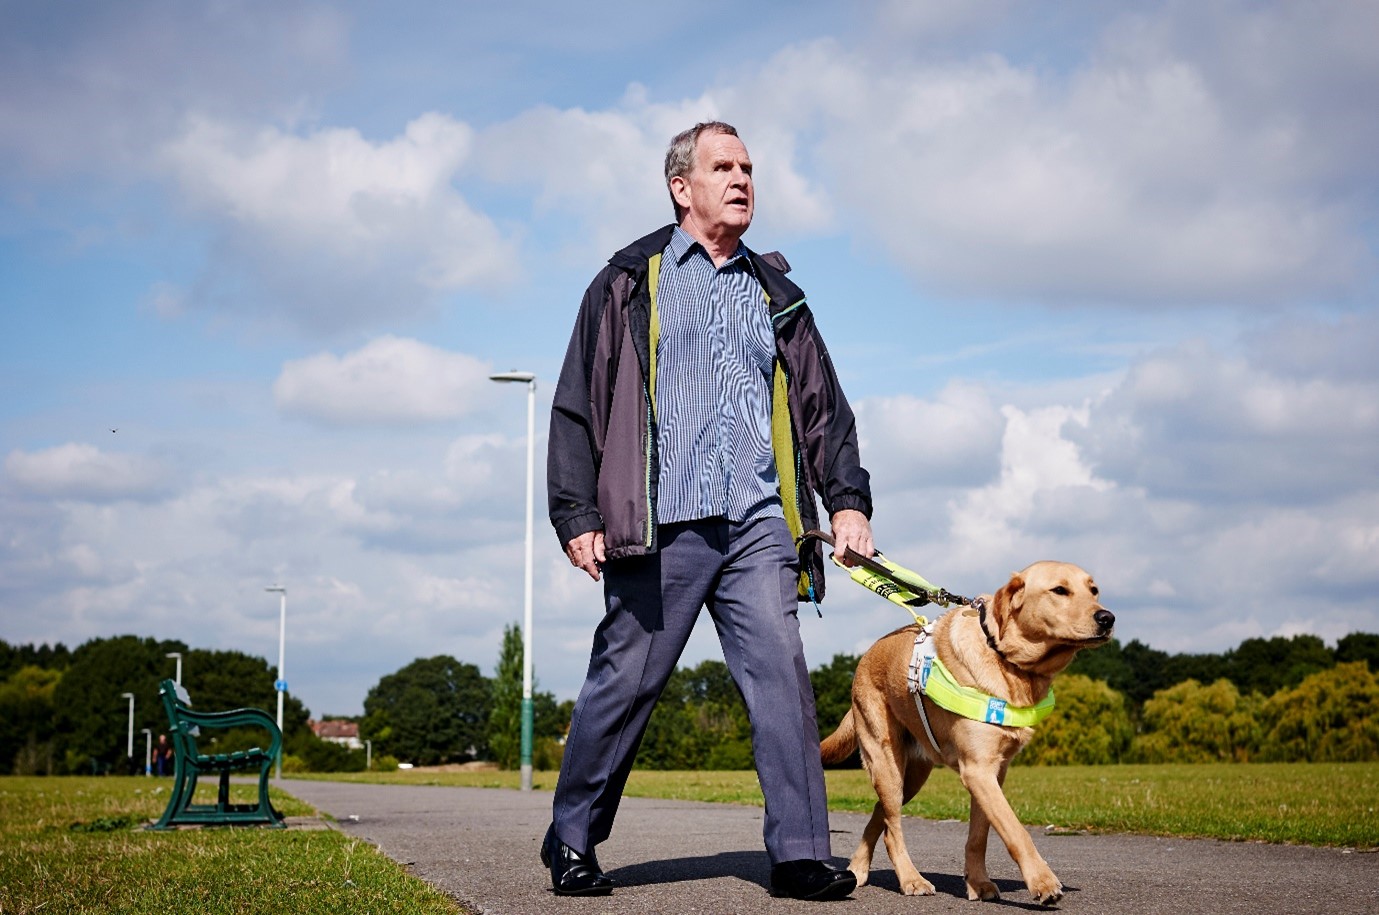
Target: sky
[{"x": 1099, "y": 280}]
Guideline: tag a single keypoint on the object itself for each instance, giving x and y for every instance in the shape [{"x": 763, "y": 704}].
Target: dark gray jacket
[{"x": 602, "y": 464}]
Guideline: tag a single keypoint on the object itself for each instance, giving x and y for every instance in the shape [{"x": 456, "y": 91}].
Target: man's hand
[
  {"x": 586, "y": 552},
  {"x": 851, "y": 529}
]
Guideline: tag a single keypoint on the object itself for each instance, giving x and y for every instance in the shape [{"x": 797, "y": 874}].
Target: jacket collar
[{"x": 770, "y": 268}]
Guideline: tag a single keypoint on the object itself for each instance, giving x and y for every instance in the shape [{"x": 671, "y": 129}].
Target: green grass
[
  {"x": 77, "y": 845},
  {"x": 1296, "y": 803}
]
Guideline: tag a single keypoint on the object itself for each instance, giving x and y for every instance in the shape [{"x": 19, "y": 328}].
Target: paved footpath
[{"x": 481, "y": 846}]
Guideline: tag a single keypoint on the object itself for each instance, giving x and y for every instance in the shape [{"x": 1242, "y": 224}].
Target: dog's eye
[
  {"x": 1095, "y": 591},
  {"x": 1061, "y": 591}
]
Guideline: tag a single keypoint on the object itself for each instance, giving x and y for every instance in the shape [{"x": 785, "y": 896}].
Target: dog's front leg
[
  {"x": 983, "y": 781},
  {"x": 979, "y": 885}
]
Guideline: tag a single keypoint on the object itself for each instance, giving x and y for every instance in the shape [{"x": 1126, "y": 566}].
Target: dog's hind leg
[{"x": 890, "y": 760}]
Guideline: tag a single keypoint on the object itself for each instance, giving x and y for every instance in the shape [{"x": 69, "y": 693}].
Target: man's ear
[{"x": 680, "y": 191}]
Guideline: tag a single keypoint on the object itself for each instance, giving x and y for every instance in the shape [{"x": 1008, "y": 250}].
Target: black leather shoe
[
  {"x": 807, "y": 879},
  {"x": 573, "y": 874}
]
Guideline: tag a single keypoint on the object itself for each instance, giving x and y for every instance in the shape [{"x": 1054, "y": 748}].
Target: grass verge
[
  {"x": 78, "y": 845},
  {"x": 1334, "y": 804}
]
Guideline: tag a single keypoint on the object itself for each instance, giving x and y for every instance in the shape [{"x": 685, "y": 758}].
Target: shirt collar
[{"x": 682, "y": 244}]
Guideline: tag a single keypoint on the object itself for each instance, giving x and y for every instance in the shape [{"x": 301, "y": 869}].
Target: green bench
[{"x": 190, "y": 764}]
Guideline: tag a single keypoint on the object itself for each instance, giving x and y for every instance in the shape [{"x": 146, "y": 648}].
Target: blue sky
[{"x": 1100, "y": 283}]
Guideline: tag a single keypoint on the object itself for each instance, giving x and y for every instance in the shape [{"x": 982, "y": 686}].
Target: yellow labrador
[{"x": 1011, "y": 648}]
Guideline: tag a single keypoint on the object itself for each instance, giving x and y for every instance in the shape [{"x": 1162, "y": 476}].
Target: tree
[
  {"x": 92, "y": 717},
  {"x": 1135, "y": 670},
  {"x": 1359, "y": 646},
  {"x": 13, "y": 657},
  {"x": 1195, "y": 723},
  {"x": 832, "y": 684},
  {"x": 434, "y": 710},
  {"x": 699, "y": 723},
  {"x": 26, "y": 721},
  {"x": 505, "y": 713},
  {"x": 1331, "y": 716},
  {"x": 1090, "y": 726},
  {"x": 1266, "y": 666}
]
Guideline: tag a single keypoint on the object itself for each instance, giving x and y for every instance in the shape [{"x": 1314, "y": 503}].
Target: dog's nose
[{"x": 1105, "y": 619}]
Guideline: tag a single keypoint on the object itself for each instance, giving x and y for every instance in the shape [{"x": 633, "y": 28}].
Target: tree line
[{"x": 1279, "y": 699}]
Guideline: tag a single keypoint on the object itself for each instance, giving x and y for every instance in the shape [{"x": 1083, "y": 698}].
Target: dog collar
[{"x": 929, "y": 677}]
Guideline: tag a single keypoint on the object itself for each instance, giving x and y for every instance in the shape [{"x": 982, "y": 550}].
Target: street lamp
[
  {"x": 130, "y": 751},
  {"x": 368, "y": 755},
  {"x": 281, "y": 684},
  {"x": 529, "y": 379},
  {"x": 177, "y": 678},
  {"x": 148, "y": 751}
]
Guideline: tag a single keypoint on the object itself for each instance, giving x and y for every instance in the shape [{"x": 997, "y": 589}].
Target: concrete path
[{"x": 481, "y": 846}]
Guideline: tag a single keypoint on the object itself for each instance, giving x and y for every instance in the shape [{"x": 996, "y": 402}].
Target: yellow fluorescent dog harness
[{"x": 928, "y": 677}]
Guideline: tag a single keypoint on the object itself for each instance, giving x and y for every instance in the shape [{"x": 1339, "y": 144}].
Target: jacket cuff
[
  {"x": 855, "y": 502},
  {"x": 571, "y": 528}
]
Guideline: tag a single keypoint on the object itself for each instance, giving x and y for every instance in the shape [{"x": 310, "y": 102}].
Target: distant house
[{"x": 345, "y": 733}]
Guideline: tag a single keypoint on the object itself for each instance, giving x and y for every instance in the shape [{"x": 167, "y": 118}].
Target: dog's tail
[{"x": 842, "y": 743}]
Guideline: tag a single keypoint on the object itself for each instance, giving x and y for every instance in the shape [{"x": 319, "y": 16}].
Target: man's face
[{"x": 717, "y": 194}]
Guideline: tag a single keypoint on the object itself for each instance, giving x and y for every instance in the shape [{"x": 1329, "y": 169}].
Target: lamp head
[{"x": 523, "y": 377}]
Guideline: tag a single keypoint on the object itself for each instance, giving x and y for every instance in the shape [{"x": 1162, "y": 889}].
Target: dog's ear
[{"x": 1010, "y": 598}]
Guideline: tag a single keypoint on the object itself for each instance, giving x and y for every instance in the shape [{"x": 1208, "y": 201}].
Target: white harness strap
[{"x": 921, "y": 663}]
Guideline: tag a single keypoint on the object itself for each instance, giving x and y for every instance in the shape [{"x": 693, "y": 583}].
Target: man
[{"x": 696, "y": 415}]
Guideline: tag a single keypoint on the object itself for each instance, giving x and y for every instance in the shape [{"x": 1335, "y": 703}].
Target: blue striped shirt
[{"x": 714, "y": 367}]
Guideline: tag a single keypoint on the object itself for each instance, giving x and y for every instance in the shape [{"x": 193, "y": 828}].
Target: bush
[
  {"x": 1089, "y": 726},
  {"x": 1192, "y": 723},
  {"x": 1332, "y": 716}
]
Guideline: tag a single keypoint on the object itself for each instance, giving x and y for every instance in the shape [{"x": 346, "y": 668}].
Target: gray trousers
[{"x": 745, "y": 574}]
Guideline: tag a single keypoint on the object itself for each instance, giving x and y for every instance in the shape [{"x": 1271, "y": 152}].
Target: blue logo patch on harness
[
  {"x": 995, "y": 711},
  {"x": 924, "y": 672}
]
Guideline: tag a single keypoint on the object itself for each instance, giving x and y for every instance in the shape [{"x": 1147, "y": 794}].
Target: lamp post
[
  {"x": 148, "y": 751},
  {"x": 529, "y": 379},
  {"x": 281, "y": 684},
  {"x": 129, "y": 752},
  {"x": 177, "y": 678},
  {"x": 368, "y": 755}
]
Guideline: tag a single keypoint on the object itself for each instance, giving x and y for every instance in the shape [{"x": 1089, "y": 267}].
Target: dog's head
[{"x": 1046, "y": 614}]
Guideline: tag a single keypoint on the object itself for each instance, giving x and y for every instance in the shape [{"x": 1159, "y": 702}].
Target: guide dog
[{"x": 1009, "y": 646}]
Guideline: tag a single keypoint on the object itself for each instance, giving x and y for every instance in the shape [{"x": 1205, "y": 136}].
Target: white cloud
[
  {"x": 1154, "y": 171},
  {"x": 1197, "y": 422},
  {"x": 339, "y": 230},
  {"x": 602, "y": 172},
  {"x": 954, "y": 439},
  {"x": 83, "y": 472},
  {"x": 390, "y": 381}
]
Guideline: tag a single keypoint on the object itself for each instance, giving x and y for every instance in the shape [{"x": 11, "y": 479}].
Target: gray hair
[{"x": 680, "y": 155}]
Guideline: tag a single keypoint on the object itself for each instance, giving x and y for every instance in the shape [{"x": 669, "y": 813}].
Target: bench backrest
[{"x": 184, "y": 734}]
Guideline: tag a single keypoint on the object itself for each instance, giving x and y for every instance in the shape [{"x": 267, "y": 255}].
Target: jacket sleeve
[
  {"x": 841, "y": 480},
  {"x": 572, "y": 457}
]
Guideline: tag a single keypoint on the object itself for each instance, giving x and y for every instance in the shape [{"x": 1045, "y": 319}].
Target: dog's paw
[
  {"x": 1046, "y": 889},
  {"x": 982, "y": 890},
  {"x": 917, "y": 886},
  {"x": 861, "y": 874}
]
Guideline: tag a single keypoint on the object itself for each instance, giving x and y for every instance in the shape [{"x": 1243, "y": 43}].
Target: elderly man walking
[{"x": 696, "y": 417}]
